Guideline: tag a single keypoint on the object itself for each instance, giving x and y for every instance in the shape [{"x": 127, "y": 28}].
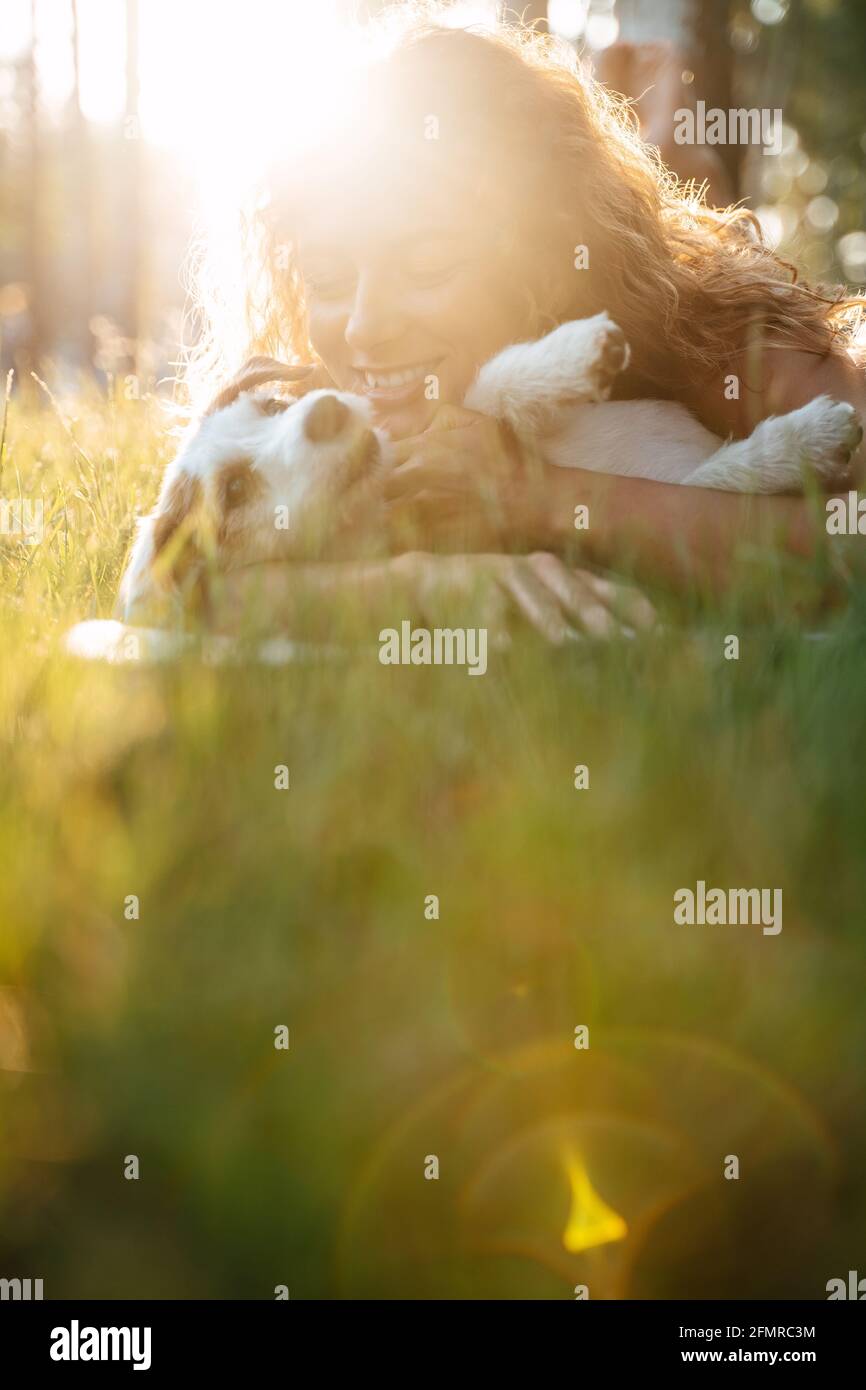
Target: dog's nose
[{"x": 325, "y": 419}]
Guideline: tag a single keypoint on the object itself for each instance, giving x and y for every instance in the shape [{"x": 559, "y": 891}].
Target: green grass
[{"x": 413, "y": 1037}]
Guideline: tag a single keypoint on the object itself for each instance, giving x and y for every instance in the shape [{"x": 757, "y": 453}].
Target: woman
[{"x": 481, "y": 191}]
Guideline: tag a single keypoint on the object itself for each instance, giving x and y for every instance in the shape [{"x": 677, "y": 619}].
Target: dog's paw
[
  {"x": 530, "y": 385},
  {"x": 828, "y": 432},
  {"x": 590, "y": 353}
]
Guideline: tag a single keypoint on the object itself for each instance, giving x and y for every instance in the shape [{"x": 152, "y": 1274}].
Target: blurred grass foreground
[{"x": 242, "y": 1048}]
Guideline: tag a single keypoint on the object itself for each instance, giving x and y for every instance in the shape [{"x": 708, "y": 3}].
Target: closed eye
[
  {"x": 434, "y": 259},
  {"x": 434, "y": 272},
  {"x": 329, "y": 286}
]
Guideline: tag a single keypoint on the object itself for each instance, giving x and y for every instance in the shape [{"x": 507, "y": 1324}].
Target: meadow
[{"x": 166, "y": 908}]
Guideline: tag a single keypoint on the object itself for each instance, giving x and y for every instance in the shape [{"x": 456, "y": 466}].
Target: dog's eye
[
  {"x": 236, "y": 491},
  {"x": 273, "y": 406},
  {"x": 237, "y": 485}
]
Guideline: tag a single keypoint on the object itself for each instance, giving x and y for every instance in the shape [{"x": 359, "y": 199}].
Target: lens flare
[{"x": 591, "y": 1222}]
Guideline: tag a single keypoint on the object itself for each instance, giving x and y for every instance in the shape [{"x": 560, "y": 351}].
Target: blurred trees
[
  {"x": 81, "y": 198},
  {"x": 817, "y": 59},
  {"x": 131, "y": 169},
  {"x": 74, "y": 212},
  {"x": 92, "y": 229},
  {"x": 36, "y": 268},
  {"x": 805, "y": 58}
]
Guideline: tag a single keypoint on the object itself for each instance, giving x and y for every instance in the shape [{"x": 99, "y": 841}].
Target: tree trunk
[
  {"x": 132, "y": 202},
  {"x": 640, "y": 22},
  {"x": 37, "y": 339},
  {"x": 700, "y": 31},
  {"x": 80, "y": 201}
]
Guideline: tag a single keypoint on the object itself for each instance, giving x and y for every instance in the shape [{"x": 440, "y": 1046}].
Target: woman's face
[{"x": 408, "y": 293}]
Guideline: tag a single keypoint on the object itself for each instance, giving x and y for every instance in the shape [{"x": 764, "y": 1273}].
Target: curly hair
[{"x": 687, "y": 283}]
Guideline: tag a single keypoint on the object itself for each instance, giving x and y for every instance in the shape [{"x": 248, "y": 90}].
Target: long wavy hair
[{"x": 674, "y": 273}]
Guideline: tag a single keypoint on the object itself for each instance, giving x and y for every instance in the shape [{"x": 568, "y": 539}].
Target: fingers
[
  {"x": 460, "y": 443},
  {"x": 456, "y": 589},
  {"x": 578, "y": 601},
  {"x": 425, "y": 471},
  {"x": 537, "y": 602},
  {"x": 461, "y": 432},
  {"x": 403, "y": 449},
  {"x": 486, "y": 603},
  {"x": 446, "y": 417},
  {"x": 628, "y": 603},
  {"x": 450, "y": 417},
  {"x": 583, "y": 602},
  {"x": 415, "y": 450},
  {"x": 559, "y": 603},
  {"x": 461, "y": 472}
]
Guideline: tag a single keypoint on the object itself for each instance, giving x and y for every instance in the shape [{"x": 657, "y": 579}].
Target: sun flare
[{"x": 220, "y": 90}]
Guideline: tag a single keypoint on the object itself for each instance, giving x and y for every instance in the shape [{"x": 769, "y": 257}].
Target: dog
[{"x": 263, "y": 476}]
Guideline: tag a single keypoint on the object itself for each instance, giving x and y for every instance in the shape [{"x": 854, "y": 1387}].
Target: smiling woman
[
  {"x": 476, "y": 188},
  {"x": 405, "y": 309}
]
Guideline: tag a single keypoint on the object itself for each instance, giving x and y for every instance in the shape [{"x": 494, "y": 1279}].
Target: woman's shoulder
[{"x": 760, "y": 378}]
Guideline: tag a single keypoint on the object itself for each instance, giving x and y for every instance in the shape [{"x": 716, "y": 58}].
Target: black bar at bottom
[{"x": 85, "y": 1338}]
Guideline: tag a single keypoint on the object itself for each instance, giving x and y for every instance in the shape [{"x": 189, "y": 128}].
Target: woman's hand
[
  {"x": 558, "y": 602},
  {"x": 462, "y": 483},
  {"x": 346, "y": 601}
]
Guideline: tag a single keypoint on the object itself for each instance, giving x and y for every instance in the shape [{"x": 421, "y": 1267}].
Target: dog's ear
[
  {"x": 181, "y": 542},
  {"x": 183, "y": 496},
  {"x": 164, "y": 550},
  {"x": 257, "y": 371}
]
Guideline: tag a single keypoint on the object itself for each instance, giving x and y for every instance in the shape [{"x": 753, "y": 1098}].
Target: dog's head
[{"x": 262, "y": 476}]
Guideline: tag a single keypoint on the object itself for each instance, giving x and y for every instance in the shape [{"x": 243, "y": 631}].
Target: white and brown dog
[
  {"x": 259, "y": 477},
  {"x": 262, "y": 477}
]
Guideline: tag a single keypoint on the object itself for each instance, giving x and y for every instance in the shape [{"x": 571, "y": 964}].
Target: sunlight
[
  {"x": 221, "y": 94},
  {"x": 228, "y": 95}
]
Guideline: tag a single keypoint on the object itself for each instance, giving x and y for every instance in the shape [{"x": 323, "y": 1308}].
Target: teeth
[{"x": 389, "y": 380}]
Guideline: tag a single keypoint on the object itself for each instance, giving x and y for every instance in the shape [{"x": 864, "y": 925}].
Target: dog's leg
[
  {"x": 529, "y": 385},
  {"x": 820, "y": 436}
]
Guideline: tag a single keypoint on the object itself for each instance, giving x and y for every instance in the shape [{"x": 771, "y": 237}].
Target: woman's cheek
[{"x": 475, "y": 316}]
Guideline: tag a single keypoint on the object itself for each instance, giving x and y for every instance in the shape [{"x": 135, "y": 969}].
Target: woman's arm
[
  {"x": 352, "y": 601},
  {"x": 691, "y": 534},
  {"x": 661, "y": 530},
  {"x": 309, "y": 600},
  {"x": 657, "y": 531},
  {"x": 774, "y": 381},
  {"x": 666, "y": 531}
]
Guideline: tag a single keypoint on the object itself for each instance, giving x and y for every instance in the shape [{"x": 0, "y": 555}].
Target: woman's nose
[{"x": 376, "y": 317}]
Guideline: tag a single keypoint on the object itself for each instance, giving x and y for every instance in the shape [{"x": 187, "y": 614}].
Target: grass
[{"x": 410, "y": 1036}]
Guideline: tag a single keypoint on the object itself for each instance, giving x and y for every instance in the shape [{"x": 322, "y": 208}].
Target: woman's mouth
[{"x": 395, "y": 385}]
